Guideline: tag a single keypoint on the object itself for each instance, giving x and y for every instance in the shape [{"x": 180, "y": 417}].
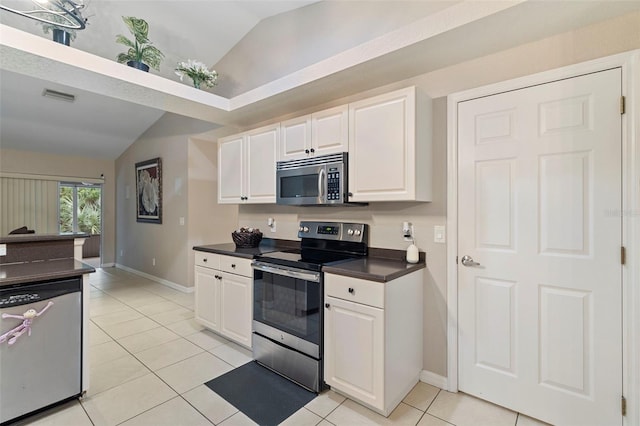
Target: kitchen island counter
[{"x": 28, "y": 272}]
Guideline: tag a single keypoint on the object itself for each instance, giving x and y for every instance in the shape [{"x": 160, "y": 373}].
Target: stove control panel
[{"x": 337, "y": 231}]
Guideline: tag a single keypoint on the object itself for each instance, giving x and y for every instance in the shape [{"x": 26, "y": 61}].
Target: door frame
[{"x": 629, "y": 62}]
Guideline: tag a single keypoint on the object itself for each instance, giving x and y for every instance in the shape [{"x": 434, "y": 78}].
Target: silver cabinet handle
[{"x": 468, "y": 261}]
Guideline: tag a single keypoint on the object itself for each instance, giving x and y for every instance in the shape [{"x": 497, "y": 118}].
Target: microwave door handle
[{"x": 321, "y": 184}]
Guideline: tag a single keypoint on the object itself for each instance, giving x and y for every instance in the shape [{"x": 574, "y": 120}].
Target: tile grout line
[{"x": 180, "y": 395}]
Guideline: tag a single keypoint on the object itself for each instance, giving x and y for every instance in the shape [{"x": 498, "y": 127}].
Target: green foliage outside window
[{"x": 88, "y": 209}]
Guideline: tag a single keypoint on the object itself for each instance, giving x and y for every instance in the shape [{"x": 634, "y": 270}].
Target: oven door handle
[{"x": 292, "y": 273}]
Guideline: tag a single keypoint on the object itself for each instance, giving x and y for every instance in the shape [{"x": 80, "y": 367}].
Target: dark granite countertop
[
  {"x": 267, "y": 245},
  {"x": 28, "y": 238},
  {"x": 23, "y": 273},
  {"x": 370, "y": 268},
  {"x": 381, "y": 265}
]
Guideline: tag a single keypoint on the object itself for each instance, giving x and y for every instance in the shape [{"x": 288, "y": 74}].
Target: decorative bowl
[{"x": 246, "y": 239}]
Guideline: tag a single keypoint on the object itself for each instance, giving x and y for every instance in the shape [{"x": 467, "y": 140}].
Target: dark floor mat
[{"x": 264, "y": 396}]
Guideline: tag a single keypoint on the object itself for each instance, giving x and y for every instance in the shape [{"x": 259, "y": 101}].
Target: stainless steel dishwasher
[{"x": 40, "y": 346}]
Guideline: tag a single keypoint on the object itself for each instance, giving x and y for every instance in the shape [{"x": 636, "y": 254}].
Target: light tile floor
[{"x": 149, "y": 360}]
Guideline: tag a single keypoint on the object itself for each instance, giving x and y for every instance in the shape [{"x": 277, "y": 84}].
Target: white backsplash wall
[{"x": 384, "y": 220}]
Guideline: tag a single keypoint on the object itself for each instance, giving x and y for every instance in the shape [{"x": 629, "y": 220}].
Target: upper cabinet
[
  {"x": 247, "y": 166},
  {"x": 390, "y": 147},
  {"x": 320, "y": 133},
  {"x": 388, "y": 138}
]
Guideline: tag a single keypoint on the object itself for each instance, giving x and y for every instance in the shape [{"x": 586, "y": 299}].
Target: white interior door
[{"x": 540, "y": 316}]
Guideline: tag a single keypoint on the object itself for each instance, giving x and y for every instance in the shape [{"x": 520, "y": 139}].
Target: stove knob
[
  {"x": 357, "y": 232},
  {"x": 349, "y": 231},
  {"x": 305, "y": 229}
]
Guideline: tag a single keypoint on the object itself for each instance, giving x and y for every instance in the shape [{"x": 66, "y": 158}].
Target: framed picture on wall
[{"x": 149, "y": 191}]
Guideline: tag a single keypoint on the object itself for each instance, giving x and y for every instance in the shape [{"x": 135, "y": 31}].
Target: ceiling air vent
[{"x": 61, "y": 96}]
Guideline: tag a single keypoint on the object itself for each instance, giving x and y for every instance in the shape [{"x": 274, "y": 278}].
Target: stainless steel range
[{"x": 287, "y": 299}]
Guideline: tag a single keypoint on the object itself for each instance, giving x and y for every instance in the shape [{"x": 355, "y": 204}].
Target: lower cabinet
[
  {"x": 224, "y": 295},
  {"x": 373, "y": 338}
]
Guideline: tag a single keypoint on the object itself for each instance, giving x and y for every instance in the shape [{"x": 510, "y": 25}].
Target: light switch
[
  {"x": 439, "y": 234},
  {"x": 181, "y": 221}
]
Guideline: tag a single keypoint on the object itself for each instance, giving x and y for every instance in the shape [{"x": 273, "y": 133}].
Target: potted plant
[
  {"x": 141, "y": 54},
  {"x": 198, "y": 73},
  {"x": 61, "y": 35}
]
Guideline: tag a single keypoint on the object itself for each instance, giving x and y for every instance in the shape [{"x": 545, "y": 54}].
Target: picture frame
[{"x": 149, "y": 191}]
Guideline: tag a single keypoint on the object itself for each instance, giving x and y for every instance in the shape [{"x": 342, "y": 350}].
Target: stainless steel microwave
[{"x": 318, "y": 180}]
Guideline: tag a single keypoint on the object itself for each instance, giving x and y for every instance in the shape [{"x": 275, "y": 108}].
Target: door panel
[{"x": 540, "y": 317}]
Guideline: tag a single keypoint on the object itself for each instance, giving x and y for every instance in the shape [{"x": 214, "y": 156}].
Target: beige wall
[
  {"x": 598, "y": 40},
  {"x": 208, "y": 221},
  {"x": 14, "y": 161},
  {"x": 137, "y": 243}
]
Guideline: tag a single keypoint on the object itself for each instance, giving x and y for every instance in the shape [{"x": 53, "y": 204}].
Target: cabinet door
[
  {"x": 295, "y": 138},
  {"x": 354, "y": 350},
  {"x": 230, "y": 170},
  {"x": 330, "y": 131},
  {"x": 236, "y": 297},
  {"x": 382, "y": 147},
  {"x": 261, "y": 155},
  {"x": 207, "y": 297}
]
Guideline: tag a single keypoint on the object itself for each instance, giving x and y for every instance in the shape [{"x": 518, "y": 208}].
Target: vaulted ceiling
[{"x": 271, "y": 55}]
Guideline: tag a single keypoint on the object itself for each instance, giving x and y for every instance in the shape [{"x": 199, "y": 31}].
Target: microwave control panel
[{"x": 333, "y": 184}]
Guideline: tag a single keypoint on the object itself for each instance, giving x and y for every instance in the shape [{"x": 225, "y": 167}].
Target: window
[{"x": 80, "y": 208}]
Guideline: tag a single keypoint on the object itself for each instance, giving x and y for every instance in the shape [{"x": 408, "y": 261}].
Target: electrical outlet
[
  {"x": 153, "y": 261},
  {"x": 3, "y": 249},
  {"x": 181, "y": 221},
  {"x": 407, "y": 231},
  {"x": 121, "y": 253},
  {"x": 439, "y": 234},
  {"x": 271, "y": 223}
]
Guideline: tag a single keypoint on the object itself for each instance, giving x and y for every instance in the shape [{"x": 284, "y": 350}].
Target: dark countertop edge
[
  {"x": 392, "y": 258},
  {"x": 43, "y": 271},
  {"x": 267, "y": 245},
  {"x": 29, "y": 238},
  {"x": 404, "y": 268}
]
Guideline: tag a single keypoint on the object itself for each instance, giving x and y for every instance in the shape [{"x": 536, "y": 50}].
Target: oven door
[
  {"x": 287, "y": 306},
  {"x": 302, "y": 185}
]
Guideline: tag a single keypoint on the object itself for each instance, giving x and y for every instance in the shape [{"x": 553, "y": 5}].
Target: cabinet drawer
[
  {"x": 354, "y": 290},
  {"x": 236, "y": 265},
  {"x": 207, "y": 260}
]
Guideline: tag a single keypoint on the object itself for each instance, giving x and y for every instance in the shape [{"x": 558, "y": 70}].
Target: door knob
[{"x": 468, "y": 261}]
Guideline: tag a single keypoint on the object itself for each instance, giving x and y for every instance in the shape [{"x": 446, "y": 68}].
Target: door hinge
[
  {"x": 622, "y": 110},
  {"x": 623, "y": 405},
  {"x": 456, "y": 260},
  {"x": 623, "y": 255}
]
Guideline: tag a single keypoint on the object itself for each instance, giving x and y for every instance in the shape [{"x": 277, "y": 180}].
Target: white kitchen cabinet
[
  {"x": 373, "y": 338},
  {"x": 390, "y": 147},
  {"x": 321, "y": 133},
  {"x": 247, "y": 166},
  {"x": 224, "y": 295},
  {"x": 235, "y": 309}
]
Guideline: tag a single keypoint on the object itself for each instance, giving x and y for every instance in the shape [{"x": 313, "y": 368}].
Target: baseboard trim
[
  {"x": 433, "y": 379},
  {"x": 162, "y": 281}
]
